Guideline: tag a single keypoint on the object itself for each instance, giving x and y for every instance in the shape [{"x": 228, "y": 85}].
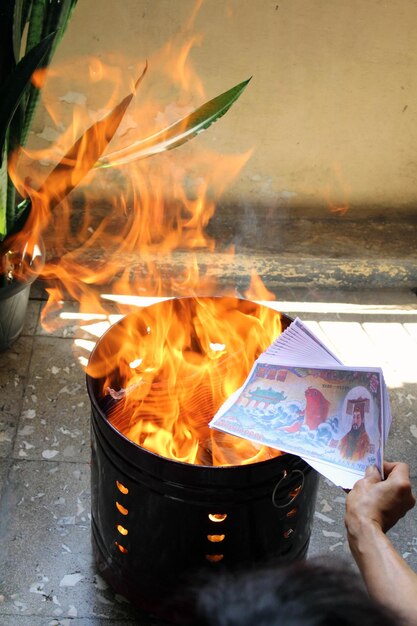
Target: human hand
[{"x": 381, "y": 502}]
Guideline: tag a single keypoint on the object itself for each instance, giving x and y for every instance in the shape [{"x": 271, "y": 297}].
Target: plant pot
[{"x": 14, "y": 295}]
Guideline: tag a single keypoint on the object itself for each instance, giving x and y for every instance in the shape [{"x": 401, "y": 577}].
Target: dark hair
[{"x": 307, "y": 593}]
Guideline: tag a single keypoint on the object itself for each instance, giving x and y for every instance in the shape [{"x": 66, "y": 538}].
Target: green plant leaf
[
  {"x": 38, "y": 15},
  {"x": 84, "y": 153},
  {"x": 179, "y": 132},
  {"x": 54, "y": 19},
  {"x": 77, "y": 162},
  {"x": 14, "y": 86},
  {"x": 17, "y": 28},
  {"x": 3, "y": 199},
  {"x": 58, "y": 15}
]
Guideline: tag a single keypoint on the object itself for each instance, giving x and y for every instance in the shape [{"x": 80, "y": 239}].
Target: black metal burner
[{"x": 158, "y": 523}]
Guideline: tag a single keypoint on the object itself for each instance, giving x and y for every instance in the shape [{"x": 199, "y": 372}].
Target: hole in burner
[
  {"x": 278, "y": 493},
  {"x": 121, "y": 509},
  {"x": 293, "y": 512},
  {"x": 288, "y": 533},
  {"x": 215, "y": 538},
  {"x": 214, "y": 558},
  {"x": 122, "y": 530},
  {"x": 294, "y": 492},
  {"x": 217, "y": 517},
  {"x": 121, "y": 487},
  {"x": 121, "y": 548}
]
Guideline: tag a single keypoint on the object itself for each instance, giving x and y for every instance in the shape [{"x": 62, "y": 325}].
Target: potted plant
[{"x": 29, "y": 33}]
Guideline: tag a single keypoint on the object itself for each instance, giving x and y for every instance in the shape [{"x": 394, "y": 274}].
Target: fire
[
  {"x": 340, "y": 189},
  {"x": 124, "y": 227},
  {"x": 138, "y": 229},
  {"x": 188, "y": 355}
]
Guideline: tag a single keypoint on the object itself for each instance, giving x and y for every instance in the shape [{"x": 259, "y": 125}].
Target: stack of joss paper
[{"x": 300, "y": 398}]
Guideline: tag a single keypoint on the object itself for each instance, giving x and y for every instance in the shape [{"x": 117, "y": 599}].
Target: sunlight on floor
[
  {"x": 390, "y": 345},
  {"x": 344, "y": 308}
]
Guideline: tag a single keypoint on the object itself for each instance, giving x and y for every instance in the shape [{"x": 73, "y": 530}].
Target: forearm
[{"x": 387, "y": 576}]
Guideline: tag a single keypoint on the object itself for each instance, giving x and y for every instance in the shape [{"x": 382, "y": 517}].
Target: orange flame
[
  {"x": 169, "y": 367},
  {"x": 129, "y": 218},
  {"x": 340, "y": 189},
  {"x": 257, "y": 289}
]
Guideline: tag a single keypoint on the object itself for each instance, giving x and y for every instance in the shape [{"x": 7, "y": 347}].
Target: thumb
[{"x": 372, "y": 473}]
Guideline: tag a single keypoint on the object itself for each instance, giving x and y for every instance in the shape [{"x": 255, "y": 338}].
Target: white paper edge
[{"x": 338, "y": 476}]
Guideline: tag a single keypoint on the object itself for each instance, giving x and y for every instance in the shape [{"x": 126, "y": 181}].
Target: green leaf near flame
[
  {"x": 178, "y": 133},
  {"x": 77, "y": 161}
]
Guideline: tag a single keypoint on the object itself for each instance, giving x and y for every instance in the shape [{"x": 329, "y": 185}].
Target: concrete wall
[{"x": 331, "y": 112}]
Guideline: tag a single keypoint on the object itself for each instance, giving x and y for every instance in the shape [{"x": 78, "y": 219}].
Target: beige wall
[{"x": 331, "y": 111}]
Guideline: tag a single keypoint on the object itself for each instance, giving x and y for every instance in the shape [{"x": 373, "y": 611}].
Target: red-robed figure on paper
[
  {"x": 315, "y": 412},
  {"x": 355, "y": 444}
]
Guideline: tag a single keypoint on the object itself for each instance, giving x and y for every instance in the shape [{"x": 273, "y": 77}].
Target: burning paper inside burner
[{"x": 167, "y": 369}]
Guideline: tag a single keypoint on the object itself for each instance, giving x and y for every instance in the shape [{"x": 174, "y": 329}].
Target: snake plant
[
  {"x": 45, "y": 21},
  {"x": 30, "y": 31}
]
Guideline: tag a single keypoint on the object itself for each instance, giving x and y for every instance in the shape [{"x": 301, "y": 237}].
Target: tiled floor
[{"x": 47, "y": 573}]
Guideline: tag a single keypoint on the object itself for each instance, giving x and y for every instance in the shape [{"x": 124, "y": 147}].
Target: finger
[
  {"x": 389, "y": 466},
  {"x": 372, "y": 473},
  {"x": 400, "y": 470}
]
